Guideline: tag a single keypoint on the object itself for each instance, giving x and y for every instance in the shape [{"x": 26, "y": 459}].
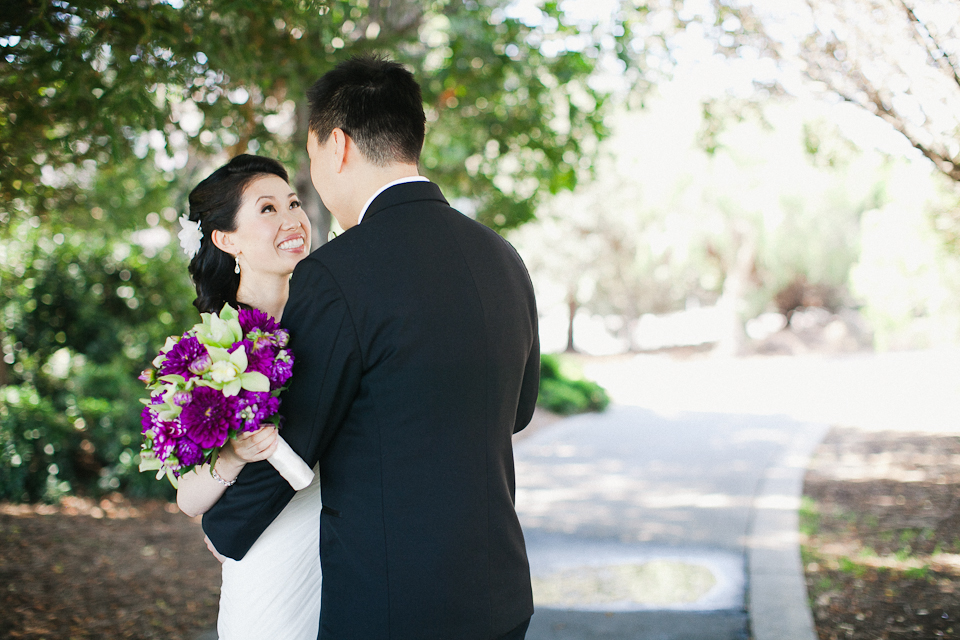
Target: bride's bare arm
[{"x": 198, "y": 490}]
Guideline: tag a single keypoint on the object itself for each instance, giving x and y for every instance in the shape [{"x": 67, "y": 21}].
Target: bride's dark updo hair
[{"x": 214, "y": 204}]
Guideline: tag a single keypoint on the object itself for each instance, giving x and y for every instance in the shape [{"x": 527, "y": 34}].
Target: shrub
[
  {"x": 82, "y": 316},
  {"x": 563, "y": 390}
]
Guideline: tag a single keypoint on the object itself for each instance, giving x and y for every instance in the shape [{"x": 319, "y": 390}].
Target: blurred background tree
[
  {"x": 770, "y": 219},
  {"x": 812, "y": 116},
  {"x": 896, "y": 59}
]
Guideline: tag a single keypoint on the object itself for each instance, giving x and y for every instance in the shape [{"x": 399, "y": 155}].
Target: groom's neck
[{"x": 367, "y": 181}]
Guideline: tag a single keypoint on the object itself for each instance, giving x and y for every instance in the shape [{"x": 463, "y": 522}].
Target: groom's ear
[{"x": 339, "y": 141}]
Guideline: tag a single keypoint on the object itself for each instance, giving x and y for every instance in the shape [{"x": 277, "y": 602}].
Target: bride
[{"x": 254, "y": 233}]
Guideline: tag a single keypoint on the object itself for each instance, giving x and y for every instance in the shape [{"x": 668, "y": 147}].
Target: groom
[{"x": 417, "y": 359}]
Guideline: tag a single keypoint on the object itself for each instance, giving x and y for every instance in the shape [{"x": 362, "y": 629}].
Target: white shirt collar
[{"x": 363, "y": 211}]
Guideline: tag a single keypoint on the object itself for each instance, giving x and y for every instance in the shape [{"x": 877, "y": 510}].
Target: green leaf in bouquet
[
  {"x": 255, "y": 381},
  {"x": 274, "y": 420},
  {"x": 173, "y": 378},
  {"x": 169, "y": 415},
  {"x": 169, "y": 407},
  {"x": 149, "y": 463}
]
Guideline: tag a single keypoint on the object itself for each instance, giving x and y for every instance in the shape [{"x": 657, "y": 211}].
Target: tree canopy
[
  {"x": 897, "y": 59},
  {"x": 91, "y": 86}
]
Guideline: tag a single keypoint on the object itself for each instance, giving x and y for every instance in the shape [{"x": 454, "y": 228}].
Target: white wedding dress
[{"x": 274, "y": 591}]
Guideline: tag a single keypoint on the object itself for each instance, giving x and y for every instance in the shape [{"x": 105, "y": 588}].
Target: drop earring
[{"x": 237, "y": 268}]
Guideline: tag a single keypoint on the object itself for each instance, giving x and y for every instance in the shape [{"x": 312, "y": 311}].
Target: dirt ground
[
  {"x": 110, "y": 570},
  {"x": 881, "y": 527}
]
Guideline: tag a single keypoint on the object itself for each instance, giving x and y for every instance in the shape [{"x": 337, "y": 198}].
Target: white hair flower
[{"x": 190, "y": 236}]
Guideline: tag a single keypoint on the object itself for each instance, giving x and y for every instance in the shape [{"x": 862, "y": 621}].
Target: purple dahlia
[
  {"x": 206, "y": 420},
  {"x": 252, "y": 319},
  {"x": 148, "y": 419},
  {"x": 187, "y": 358},
  {"x": 165, "y": 438},
  {"x": 188, "y": 452}
]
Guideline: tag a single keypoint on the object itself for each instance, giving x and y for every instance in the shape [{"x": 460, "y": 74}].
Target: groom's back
[{"x": 420, "y": 536}]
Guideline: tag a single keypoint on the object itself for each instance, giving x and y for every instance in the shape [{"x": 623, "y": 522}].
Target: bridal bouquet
[{"x": 221, "y": 378}]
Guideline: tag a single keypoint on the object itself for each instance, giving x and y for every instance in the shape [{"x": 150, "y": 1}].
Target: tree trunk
[
  {"x": 630, "y": 324},
  {"x": 732, "y": 301},
  {"x": 309, "y": 198},
  {"x": 572, "y": 306}
]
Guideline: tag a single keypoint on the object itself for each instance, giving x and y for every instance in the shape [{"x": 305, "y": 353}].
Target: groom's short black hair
[{"x": 376, "y": 102}]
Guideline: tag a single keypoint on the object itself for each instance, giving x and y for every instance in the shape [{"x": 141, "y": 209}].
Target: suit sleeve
[
  {"x": 326, "y": 377},
  {"x": 530, "y": 385}
]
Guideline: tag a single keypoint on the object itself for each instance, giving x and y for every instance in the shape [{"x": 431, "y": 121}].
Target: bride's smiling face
[{"x": 272, "y": 233}]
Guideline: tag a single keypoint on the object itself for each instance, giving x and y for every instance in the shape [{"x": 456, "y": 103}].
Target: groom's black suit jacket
[{"x": 417, "y": 358}]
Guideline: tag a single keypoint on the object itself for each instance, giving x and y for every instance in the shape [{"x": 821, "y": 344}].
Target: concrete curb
[{"x": 777, "y": 593}]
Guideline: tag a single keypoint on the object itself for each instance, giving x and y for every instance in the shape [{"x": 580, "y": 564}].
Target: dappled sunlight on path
[{"x": 635, "y": 476}]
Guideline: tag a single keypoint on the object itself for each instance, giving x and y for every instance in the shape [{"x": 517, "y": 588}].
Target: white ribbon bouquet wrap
[{"x": 221, "y": 378}]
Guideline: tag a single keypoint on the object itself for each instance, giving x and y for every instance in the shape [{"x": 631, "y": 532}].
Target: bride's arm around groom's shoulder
[{"x": 326, "y": 377}]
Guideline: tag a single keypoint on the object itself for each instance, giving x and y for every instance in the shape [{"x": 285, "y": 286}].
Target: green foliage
[
  {"x": 853, "y": 567},
  {"x": 98, "y": 83},
  {"x": 825, "y": 584},
  {"x": 917, "y": 573},
  {"x": 82, "y": 315},
  {"x": 809, "y": 514},
  {"x": 564, "y": 391}
]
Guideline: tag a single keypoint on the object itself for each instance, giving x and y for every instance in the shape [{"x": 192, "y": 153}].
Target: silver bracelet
[{"x": 216, "y": 476}]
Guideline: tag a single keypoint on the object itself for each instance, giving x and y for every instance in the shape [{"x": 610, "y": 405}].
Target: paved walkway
[
  {"x": 673, "y": 515},
  {"x": 629, "y": 514}
]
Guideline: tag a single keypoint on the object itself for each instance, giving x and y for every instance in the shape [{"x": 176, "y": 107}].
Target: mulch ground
[
  {"x": 881, "y": 528},
  {"x": 112, "y": 569}
]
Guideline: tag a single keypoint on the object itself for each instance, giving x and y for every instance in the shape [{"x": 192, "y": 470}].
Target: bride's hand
[{"x": 256, "y": 445}]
